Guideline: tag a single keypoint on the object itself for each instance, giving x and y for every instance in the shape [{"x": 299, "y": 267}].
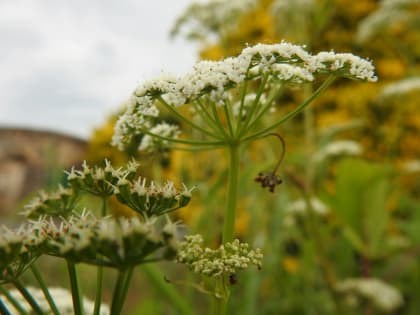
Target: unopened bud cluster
[
  {"x": 151, "y": 200},
  {"x": 59, "y": 203},
  {"x": 84, "y": 238},
  {"x": 226, "y": 260},
  {"x": 100, "y": 181}
]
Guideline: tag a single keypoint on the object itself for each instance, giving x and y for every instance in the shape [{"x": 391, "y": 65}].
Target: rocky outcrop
[{"x": 30, "y": 159}]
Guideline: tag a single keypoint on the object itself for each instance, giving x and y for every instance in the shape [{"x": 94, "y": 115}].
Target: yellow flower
[{"x": 291, "y": 264}]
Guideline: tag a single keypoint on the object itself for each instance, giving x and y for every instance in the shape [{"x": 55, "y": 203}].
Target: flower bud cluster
[
  {"x": 100, "y": 181},
  {"x": 224, "y": 261},
  {"x": 58, "y": 203},
  {"x": 151, "y": 200},
  {"x": 84, "y": 238},
  {"x": 62, "y": 299},
  {"x": 108, "y": 241}
]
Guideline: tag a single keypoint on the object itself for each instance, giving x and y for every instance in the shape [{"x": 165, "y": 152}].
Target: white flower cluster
[
  {"x": 60, "y": 202},
  {"x": 382, "y": 295},
  {"x": 211, "y": 80},
  {"x": 300, "y": 207},
  {"x": 412, "y": 166},
  {"x": 390, "y": 12},
  {"x": 340, "y": 147},
  {"x": 62, "y": 299},
  {"x": 152, "y": 200},
  {"x": 401, "y": 87},
  {"x": 214, "y": 16},
  {"x": 226, "y": 260}
]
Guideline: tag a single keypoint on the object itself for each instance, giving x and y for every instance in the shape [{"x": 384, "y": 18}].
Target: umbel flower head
[
  {"x": 228, "y": 259},
  {"x": 108, "y": 241},
  {"x": 384, "y": 296},
  {"x": 214, "y": 87}
]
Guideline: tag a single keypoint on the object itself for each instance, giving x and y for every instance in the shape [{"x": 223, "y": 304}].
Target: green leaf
[{"x": 362, "y": 190}]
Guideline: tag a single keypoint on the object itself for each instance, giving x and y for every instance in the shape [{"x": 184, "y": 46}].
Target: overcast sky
[{"x": 65, "y": 65}]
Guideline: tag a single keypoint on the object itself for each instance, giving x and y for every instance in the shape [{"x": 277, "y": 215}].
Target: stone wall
[{"x": 29, "y": 159}]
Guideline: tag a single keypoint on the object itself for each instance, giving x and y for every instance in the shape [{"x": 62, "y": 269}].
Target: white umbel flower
[
  {"x": 401, "y": 87},
  {"x": 300, "y": 207},
  {"x": 382, "y": 295},
  {"x": 340, "y": 147}
]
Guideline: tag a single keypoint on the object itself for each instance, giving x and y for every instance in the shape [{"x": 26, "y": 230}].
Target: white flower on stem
[
  {"x": 402, "y": 87},
  {"x": 213, "y": 81},
  {"x": 300, "y": 207},
  {"x": 384, "y": 296},
  {"x": 390, "y": 12},
  {"x": 340, "y": 147}
]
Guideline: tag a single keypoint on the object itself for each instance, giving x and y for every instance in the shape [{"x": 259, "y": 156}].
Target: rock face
[{"x": 29, "y": 159}]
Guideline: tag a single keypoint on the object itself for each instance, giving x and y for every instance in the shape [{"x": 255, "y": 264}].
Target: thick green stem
[
  {"x": 99, "y": 274},
  {"x": 13, "y": 301},
  {"x": 44, "y": 289},
  {"x": 232, "y": 194},
  {"x": 168, "y": 291},
  {"x": 181, "y": 141},
  {"x": 222, "y": 289},
  {"x": 75, "y": 291},
  {"x": 120, "y": 290},
  {"x": 28, "y": 297},
  {"x": 309, "y": 121}
]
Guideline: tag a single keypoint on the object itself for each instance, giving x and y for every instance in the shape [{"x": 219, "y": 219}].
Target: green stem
[
  {"x": 120, "y": 290},
  {"x": 44, "y": 289},
  {"x": 309, "y": 122},
  {"x": 28, "y": 297},
  {"x": 177, "y": 300},
  {"x": 232, "y": 194},
  {"x": 205, "y": 116},
  {"x": 99, "y": 274},
  {"x": 253, "y": 107},
  {"x": 186, "y": 120},
  {"x": 190, "y": 142},
  {"x": 75, "y": 291},
  {"x": 293, "y": 113},
  {"x": 13, "y": 301},
  {"x": 222, "y": 289},
  {"x": 264, "y": 109},
  {"x": 217, "y": 120},
  {"x": 229, "y": 117},
  {"x": 243, "y": 95}
]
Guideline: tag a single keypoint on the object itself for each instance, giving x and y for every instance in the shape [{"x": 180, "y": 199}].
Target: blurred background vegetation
[{"x": 349, "y": 207}]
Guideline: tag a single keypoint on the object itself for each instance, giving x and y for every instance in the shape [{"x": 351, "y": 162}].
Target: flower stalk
[{"x": 75, "y": 290}]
